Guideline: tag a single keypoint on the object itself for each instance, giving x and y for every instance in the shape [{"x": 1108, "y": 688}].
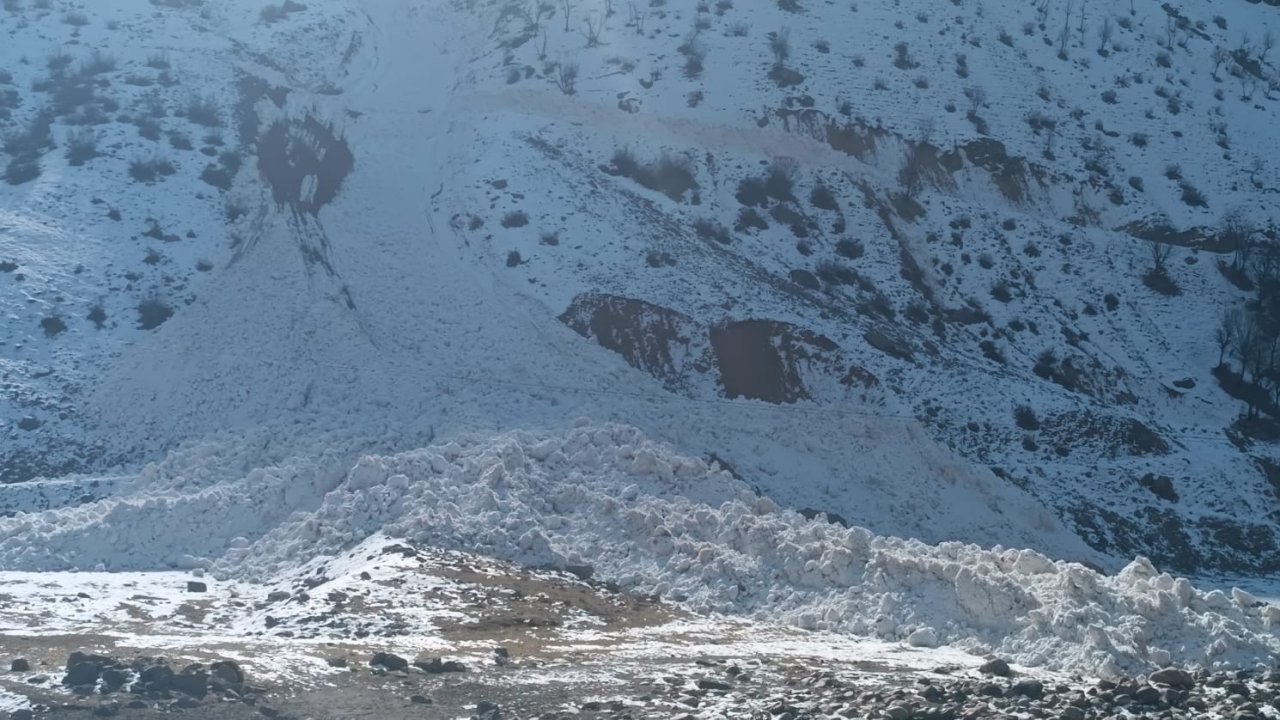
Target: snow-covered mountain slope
[{"x": 879, "y": 259}]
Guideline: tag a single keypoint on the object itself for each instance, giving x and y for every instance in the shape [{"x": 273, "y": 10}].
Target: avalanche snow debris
[{"x": 655, "y": 521}]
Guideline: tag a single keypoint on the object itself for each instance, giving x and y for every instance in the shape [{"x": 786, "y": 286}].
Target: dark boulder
[{"x": 387, "y": 661}]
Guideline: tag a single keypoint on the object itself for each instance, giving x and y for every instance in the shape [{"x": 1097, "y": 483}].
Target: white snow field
[{"x": 356, "y": 354}]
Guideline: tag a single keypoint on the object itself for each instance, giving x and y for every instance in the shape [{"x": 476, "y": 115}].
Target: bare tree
[
  {"x": 567, "y": 6},
  {"x": 780, "y": 45},
  {"x": 1245, "y": 345},
  {"x": 1105, "y": 31},
  {"x": 1268, "y": 42},
  {"x": 1248, "y": 86},
  {"x": 1066, "y": 32},
  {"x": 977, "y": 98},
  {"x": 1084, "y": 5},
  {"x": 912, "y": 180},
  {"x": 608, "y": 8},
  {"x": 592, "y": 25},
  {"x": 638, "y": 15},
  {"x": 542, "y": 45},
  {"x": 1220, "y": 55},
  {"x": 1184, "y": 25},
  {"x": 566, "y": 77},
  {"x": 1237, "y": 235},
  {"x": 1227, "y": 332},
  {"x": 1160, "y": 252}
]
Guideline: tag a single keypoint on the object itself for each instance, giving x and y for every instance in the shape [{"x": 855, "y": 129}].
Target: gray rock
[
  {"x": 195, "y": 586},
  {"x": 23, "y": 714},
  {"x": 991, "y": 690},
  {"x": 194, "y": 684},
  {"x": 1071, "y": 712},
  {"x": 19, "y": 665},
  {"x": 1032, "y": 689},
  {"x": 899, "y": 712},
  {"x": 486, "y": 711},
  {"x": 420, "y": 700},
  {"x": 82, "y": 673},
  {"x": 110, "y": 708},
  {"x": 113, "y": 679},
  {"x": 389, "y": 661},
  {"x": 436, "y": 666},
  {"x": 997, "y": 667},
  {"x": 1148, "y": 695},
  {"x": 709, "y": 684},
  {"x": 1172, "y": 677},
  {"x": 228, "y": 672}
]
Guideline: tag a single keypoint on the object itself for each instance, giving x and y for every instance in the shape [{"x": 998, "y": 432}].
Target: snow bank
[{"x": 658, "y": 522}]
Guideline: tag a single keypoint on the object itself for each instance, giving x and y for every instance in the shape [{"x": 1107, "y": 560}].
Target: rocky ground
[{"x": 384, "y": 685}]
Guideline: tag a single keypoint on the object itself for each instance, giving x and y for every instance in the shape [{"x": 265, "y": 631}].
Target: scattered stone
[
  {"x": 1172, "y": 677},
  {"x": 709, "y": 684},
  {"x": 136, "y": 705},
  {"x": 110, "y": 708},
  {"x": 1033, "y": 689},
  {"x": 268, "y": 712},
  {"x": 1147, "y": 695},
  {"x": 420, "y": 700},
  {"x": 156, "y": 678},
  {"x": 996, "y": 667},
  {"x": 337, "y": 662},
  {"x": 191, "y": 682},
  {"x": 389, "y": 662},
  {"x": 113, "y": 679},
  {"x": 435, "y": 666},
  {"x": 228, "y": 672},
  {"x": 278, "y": 596},
  {"x": 195, "y": 586},
  {"x": 19, "y": 665},
  {"x": 486, "y": 711},
  {"x": 22, "y": 714},
  {"x": 1072, "y": 712},
  {"x": 82, "y": 673}
]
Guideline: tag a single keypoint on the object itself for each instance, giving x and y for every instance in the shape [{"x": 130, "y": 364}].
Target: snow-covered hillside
[{"x": 888, "y": 261}]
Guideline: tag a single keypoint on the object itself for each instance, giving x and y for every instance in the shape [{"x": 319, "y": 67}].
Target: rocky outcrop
[{"x": 767, "y": 360}]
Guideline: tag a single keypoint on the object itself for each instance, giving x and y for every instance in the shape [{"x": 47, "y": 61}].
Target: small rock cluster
[{"x": 154, "y": 683}]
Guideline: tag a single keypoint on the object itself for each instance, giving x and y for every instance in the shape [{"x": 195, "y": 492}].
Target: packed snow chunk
[{"x": 925, "y": 637}]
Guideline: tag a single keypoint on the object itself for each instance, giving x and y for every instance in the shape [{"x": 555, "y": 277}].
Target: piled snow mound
[{"x": 658, "y": 522}]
